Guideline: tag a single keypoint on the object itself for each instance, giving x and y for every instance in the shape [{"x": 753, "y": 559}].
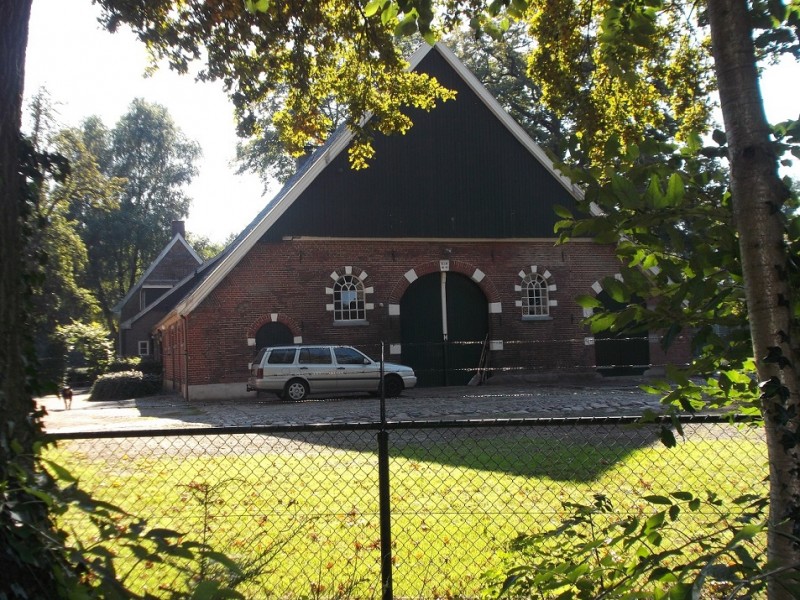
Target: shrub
[
  {"x": 150, "y": 367},
  {"x": 123, "y": 385},
  {"x": 124, "y": 363},
  {"x": 79, "y": 377}
]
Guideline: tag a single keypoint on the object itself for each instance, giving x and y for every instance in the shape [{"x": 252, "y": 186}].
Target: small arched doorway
[
  {"x": 273, "y": 334},
  {"x": 626, "y": 353},
  {"x": 443, "y": 325}
]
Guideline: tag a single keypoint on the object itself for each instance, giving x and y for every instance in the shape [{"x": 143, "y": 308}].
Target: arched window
[
  {"x": 350, "y": 296},
  {"x": 534, "y": 293},
  {"x": 348, "y": 299},
  {"x": 535, "y": 299}
]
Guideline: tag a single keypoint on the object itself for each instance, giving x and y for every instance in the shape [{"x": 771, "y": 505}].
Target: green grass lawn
[{"x": 456, "y": 501}]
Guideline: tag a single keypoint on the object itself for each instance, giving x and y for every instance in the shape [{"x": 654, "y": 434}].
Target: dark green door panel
[
  {"x": 467, "y": 318},
  {"x": 421, "y": 330}
]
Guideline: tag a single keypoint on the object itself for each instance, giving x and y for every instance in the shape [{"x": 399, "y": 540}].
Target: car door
[
  {"x": 355, "y": 372},
  {"x": 315, "y": 365},
  {"x": 278, "y": 367}
]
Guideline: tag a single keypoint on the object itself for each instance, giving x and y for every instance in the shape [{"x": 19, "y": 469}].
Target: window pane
[
  {"x": 534, "y": 296},
  {"x": 284, "y": 356},
  {"x": 315, "y": 356},
  {"x": 348, "y": 299}
]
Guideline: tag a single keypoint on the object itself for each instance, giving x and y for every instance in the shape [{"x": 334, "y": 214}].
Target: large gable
[
  {"x": 462, "y": 171},
  {"x": 465, "y": 170}
]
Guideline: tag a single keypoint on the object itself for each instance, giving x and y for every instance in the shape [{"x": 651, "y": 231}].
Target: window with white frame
[
  {"x": 535, "y": 290},
  {"x": 144, "y": 347},
  {"x": 534, "y": 296},
  {"x": 348, "y": 299}
]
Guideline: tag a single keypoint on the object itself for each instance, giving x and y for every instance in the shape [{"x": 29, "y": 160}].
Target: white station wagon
[{"x": 294, "y": 372}]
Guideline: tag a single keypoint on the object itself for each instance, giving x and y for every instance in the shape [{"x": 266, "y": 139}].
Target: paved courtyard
[{"x": 621, "y": 396}]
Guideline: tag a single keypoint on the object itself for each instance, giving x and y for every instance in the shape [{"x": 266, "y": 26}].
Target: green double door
[{"x": 443, "y": 321}]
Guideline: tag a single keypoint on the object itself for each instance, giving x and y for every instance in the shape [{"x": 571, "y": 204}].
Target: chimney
[{"x": 178, "y": 227}]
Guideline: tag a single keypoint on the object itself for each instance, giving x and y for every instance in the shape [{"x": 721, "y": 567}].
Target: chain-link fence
[{"x": 301, "y": 505}]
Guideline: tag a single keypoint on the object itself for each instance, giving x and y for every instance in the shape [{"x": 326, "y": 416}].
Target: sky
[{"x": 89, "y": 71}]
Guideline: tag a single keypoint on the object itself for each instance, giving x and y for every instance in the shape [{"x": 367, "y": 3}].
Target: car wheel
[
  {"x": 296, "y": 390},
  {"x": 394, "y": 386}
]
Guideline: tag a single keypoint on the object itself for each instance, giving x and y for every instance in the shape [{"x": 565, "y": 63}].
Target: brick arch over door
[
  {"x": 275, "y": 328},
  {"x": 455, "y": 266},
  {"x": 619, "y": 354}
]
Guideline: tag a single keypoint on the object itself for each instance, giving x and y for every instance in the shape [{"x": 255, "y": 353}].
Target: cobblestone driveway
[{"x": 597, "y": 398}]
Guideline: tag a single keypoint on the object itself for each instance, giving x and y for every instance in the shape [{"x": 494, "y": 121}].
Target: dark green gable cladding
[{"x": 458, "y": 173}]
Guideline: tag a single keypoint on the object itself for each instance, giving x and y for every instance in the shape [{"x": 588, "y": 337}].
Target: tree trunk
[
  {"x": 15, "y": 399},
  {"x": 28, "y": 572},
  {"x": 757, "y": 194}
]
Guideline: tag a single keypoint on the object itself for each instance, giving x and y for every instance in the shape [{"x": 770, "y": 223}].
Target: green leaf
[
  {"x": 654, "y": 194},
  {"x": 656, "y": 521},
  {"x": 657, "y": 499},
  {"x": 625, "y": 191},
  {"x": 254, "y": 6},
  {"x": 588, "y": 301},
  {"x": 430, "y": 37},
  {"x": 615, "y": 289},
  {"x": 389, "y": 13},
  {"x": 675, "y": 190},
  {"x": 372, "y": 7},
  {"x": 748, "y": 532},
  {"x": 562, "y": 211}
]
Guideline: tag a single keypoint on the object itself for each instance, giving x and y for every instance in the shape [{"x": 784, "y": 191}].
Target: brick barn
[{"x": 443, "y": 249}]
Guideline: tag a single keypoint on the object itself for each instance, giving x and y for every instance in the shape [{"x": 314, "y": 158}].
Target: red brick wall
[{"x": 289, "y": 278}]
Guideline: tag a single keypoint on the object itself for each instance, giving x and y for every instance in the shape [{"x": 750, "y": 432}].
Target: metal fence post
[{"x": 384, "y": 498}]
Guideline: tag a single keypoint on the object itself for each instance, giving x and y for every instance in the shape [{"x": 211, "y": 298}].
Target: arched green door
[{"x": 443, "y": 322}]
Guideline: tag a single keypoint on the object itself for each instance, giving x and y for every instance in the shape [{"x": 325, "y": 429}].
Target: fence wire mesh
[{"x": 299, "y": 505}]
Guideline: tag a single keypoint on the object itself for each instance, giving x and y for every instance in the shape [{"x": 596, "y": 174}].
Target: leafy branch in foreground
[
  {"x": 679, "y": 546},
  {"x": 108, "y": 557}
]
